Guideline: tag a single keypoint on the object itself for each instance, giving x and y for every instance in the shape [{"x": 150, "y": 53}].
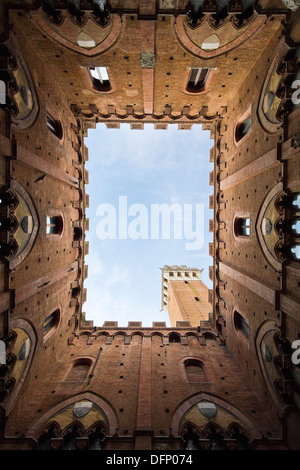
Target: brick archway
[
  {"x": 104, "y": 405},
  {"x": 185, "y": 406}
]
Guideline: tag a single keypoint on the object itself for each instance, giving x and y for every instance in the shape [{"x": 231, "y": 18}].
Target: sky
[{"x": 143, "y": 169}]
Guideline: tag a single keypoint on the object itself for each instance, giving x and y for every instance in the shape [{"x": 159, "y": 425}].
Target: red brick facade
[{"x": 222, "y": 376}]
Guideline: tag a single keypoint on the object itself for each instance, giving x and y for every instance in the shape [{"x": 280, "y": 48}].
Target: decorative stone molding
[{"x": 147, "y": 60}]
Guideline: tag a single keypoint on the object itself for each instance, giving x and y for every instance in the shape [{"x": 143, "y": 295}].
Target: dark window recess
[
  {"x": 79, "y": 371},
  {"x": 174, "y": 338},
  {"x": 100, "y": 78},
  {"x": 242, "y": 227},
  {"x": 241, "y": 324},
  {"x": 51, "y": 321},
  {"x": 54, "y": 225},
  {"x": 77, "y": 234},
  {"x": 194, "y": 371},
  {"x": 197, "y": 80},
  {"x": 242, "y": 129},
  {"x": 95, "y": 439},
  {"x": 54, "y": 126}
]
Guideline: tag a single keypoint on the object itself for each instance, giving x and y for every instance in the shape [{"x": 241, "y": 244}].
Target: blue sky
[{"x": 147, "y": 167}]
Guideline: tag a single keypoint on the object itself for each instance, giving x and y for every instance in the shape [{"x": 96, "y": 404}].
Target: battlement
[{"x": 136, "y": 325}]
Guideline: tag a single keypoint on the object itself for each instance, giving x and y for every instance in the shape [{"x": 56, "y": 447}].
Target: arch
[
  {"x": 157, "y": 333},
  {"x": 120, "y": 333},
  {"x": 194, "y": 370},
  {"x": 266, "y": 327},
  {"x": 25, "y": 325},
  {"x": 191, "y": 401},
  {"x": 34, "y": 430},
  {"x": 29, "y": 119},
  {"x": 79, "y": 370},
  {"x": 70, "y": 428},
  {"x": 137, "y": 333},
  {"x": 209, "y": 335},
  {"x": 233, "y": 427},
  {"x": 174, "y": 337},
  {"x": 269, "y": 125},
  {"x": 102, "y": 333},
  {"x": 110, "y": 41},
  {"x": 267, "y": 211},
  {"x": 187, "y": 44},
  {"x": 24, "y": 249},
  {"x": 193, "y": 359},
  {"x": 85, "y": 333},
  {"x": 191, "y": 333}
]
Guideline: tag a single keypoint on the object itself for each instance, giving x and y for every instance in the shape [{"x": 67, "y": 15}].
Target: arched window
[
  {"x": 50, "y": 323},
  {"x": 197, "y": 80},
  {"x": 69, "y": 440},
  {"x": 242, "y": 129},
  {"x": 216, "y": 439},
  {"x": 54, "y": 126},
  {"x": 100, "y": 78},
  {"x": 174, "y": 338},
  {"x": 95, "y": 439},
  {"x": 44, "y": 441},
  {"x": 242, "y": 227},
  {"x": 194, "y": 371},
  {"x": 242, "y": 439},
  {"x": 54, "y": 225},
  {"x": 191, "y": 439},
  {"x": 79, "y": 371},
  {"x": 241, "y": 324}
]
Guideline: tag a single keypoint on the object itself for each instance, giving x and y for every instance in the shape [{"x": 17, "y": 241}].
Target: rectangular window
[
  {"x": 100, "y": 78},
  {"x": 197, "y": 79}
]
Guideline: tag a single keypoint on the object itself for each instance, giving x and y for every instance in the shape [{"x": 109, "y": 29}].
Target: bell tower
[{"x": 184, "y": 295}]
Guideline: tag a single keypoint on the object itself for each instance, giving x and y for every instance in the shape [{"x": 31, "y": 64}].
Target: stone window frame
[
  {"x": 59, "y": 214},
  {"x": 204, "y": 367},
  {"x": 207, "y": 84},
  {"x": 58, "y": 133},
  {"x": 245, "y": 340},
  {"x": 55, "y": 327},
  {"x": 93, "y": 87},
  {"x": 78, "y": 360},
  {"x": 242, "y": 119},
  {"x": 239, "y": 236}
]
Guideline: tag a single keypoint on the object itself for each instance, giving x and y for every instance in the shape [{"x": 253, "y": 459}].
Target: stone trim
[
  {"x": 109, "y": 42},
  {"x": 186, "y": 405},
  {"x": 103, "y": 404},
  {"x": 188, "y": 45}
]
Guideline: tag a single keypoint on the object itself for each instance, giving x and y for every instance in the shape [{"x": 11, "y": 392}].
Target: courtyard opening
[{"x": 149, "y": 207}]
